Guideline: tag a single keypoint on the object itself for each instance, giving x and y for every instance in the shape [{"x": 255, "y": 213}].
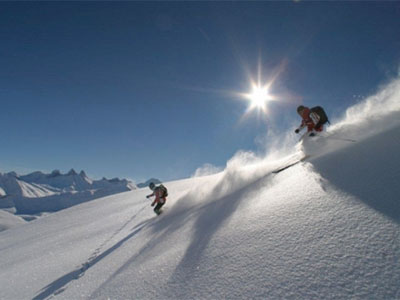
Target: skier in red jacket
[
  {"x": 161, "y": 193},
  {"x": 310, "y": 119}
]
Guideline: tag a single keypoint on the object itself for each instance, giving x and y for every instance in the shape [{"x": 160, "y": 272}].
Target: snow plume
[
  {"x": 242, "y": 170},
  {"x": 206, "y": 169},
  {"x": 245, "y": 168},
  {"x": 375, "y": 114}
]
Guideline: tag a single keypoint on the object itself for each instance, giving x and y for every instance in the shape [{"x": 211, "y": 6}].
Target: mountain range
[{"x": 25, "y": 197}]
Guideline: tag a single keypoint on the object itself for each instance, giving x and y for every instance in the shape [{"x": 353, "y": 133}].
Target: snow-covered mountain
[
  {"x": 325, "y": 228},
  {"x": 39, "y": 192}
]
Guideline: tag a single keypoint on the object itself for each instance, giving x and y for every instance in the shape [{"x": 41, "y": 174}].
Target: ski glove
[{"x": 297, "y": 130}]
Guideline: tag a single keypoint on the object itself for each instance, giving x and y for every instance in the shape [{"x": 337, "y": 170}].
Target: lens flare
[
  {"x": 259, "y": 97},
  {"x": 261, "y": 93}
]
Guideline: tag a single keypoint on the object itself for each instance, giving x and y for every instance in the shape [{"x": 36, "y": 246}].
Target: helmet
[
  {"x": 152, "y": 185},
  {"x": 300, "y": 108}
]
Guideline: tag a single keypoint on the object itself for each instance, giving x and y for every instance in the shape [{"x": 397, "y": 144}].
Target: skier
[
  {"x": 161, "y": 193},
  {"x": 313, "y": 118}
]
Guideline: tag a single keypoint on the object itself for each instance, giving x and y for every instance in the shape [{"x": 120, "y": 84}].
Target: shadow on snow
[
  {"x": 59, "y": 285},
  {"x": 369, "y": 170},
  {"x": 209, "y": 218}
]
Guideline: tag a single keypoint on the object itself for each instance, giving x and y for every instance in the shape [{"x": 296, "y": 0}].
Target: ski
[
  {"x": 290, "y": 165},
  {"x": 162, "y": 210},
  {"x": 307, "y": 134}
]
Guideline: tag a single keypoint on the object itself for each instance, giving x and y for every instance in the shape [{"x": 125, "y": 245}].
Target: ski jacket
[
  {"x": 159, "y": 194},
  {"x": 310, "y": 119}
]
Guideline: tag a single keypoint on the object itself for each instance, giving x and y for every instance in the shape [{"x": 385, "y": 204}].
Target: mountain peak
[
  {"x": 72, "y": 172},
  {"x": 55, "y": 173},
  {"x": 12, "y": 174}
]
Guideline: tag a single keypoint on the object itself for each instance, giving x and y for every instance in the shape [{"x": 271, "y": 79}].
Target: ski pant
[{"x": 158, "y": 207}]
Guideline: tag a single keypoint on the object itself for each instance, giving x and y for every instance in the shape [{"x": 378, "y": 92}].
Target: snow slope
[
  {"x": 327, "y": 228},
  {"x": 9, "y": 220}
]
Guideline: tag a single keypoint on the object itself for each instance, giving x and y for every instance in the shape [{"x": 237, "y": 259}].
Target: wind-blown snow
[
  {"x": 206, "y": 169},
  {"x": 327, "y": 228},
  {"x": 375, "y": 114}
]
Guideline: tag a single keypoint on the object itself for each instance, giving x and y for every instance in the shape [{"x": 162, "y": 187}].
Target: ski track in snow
[{"x": 61, "y": 284}]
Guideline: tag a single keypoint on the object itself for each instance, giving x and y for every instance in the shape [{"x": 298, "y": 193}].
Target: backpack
[
  {"x": 164, "y": 191},
  {"x": 323, "y": 118}
]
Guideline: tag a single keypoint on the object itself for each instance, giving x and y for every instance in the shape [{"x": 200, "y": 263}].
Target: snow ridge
[{"x": 38, "y": 192}]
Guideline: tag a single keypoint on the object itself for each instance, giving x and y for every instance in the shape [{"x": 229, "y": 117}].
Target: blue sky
[{"x": 146, "y": 89}]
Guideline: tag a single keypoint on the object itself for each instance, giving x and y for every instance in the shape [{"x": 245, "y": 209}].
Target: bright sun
[{"x": 259, "y": 97}]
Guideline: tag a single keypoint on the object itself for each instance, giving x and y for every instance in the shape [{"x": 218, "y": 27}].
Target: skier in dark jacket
[
  {"x": 160, "y": 193},
  {"x": 310, "y": 119}
]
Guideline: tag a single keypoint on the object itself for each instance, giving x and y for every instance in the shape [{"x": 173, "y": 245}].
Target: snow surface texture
[
  {"x": 38, "y": 192},
  {"x": 8, "y": 220},
  {"x": 326, "y": 228}
]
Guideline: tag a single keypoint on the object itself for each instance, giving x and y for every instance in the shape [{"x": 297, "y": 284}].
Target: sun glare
[{"x": 259, "y": 97}]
